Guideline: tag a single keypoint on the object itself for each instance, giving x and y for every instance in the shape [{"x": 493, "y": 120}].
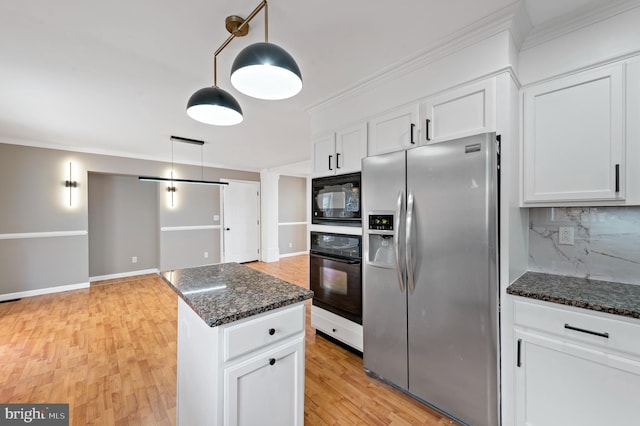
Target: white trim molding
[
  {"x": 54, "y": 234},
  {"x": 298, "y": 253},
  {"x": 291, "y": 223},
  {"x": 189, "y": 228},
  {"x": 584, "y": 16},
  {"x": 41, "y": 291},
  {"x": 123, "y": 275}
]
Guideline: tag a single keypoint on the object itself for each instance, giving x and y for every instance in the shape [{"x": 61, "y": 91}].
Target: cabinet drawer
[
  {"x": 612, "y": 334},
  {"x": 337, "y": 327},
  {"x": 253, "y": 334}
]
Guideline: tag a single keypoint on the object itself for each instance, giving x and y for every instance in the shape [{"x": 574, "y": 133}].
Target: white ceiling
[{"x": 114, "y": 76}]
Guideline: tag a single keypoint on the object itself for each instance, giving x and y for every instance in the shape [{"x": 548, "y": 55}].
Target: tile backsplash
[{"x": 606, "y": 242}]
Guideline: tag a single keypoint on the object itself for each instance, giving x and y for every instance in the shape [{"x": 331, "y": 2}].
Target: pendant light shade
[
  {"x": 266, "y": 71},
  {"x": 212, "y": 105}
]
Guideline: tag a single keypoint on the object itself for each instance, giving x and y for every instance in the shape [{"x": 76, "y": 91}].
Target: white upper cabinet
[
  {"x": 632, "y": 142},
  {"x": 351, "y": 148},
  {"x": 573, "y": 138},
  {"x": 324, "y": 154},
  {"x": 466, "y": 111},
  {"x": 340, "y": 152},
  {"x": 394, "y": 131}
]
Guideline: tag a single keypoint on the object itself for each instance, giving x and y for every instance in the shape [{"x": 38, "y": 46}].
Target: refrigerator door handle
[
  {"x": 410, "y": 282},
  {"x": 396, "y": 236}
]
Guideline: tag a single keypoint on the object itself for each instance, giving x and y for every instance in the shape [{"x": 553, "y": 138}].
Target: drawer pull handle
[
  {"x": 582, "y": 330},
  {"x": 272, "y": 361},
  {"x": 272, "y": 331}
]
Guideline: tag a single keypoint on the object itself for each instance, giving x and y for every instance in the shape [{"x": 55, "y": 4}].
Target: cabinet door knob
[
  {"x": 272, "y": 361},
  {"x": 272, "y": 331},
  {"x": 227, "y": 229},
  {"x": 334, "y": 330}
]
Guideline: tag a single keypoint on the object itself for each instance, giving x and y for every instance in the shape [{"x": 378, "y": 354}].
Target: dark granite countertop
[
  {"x": 604, "y": 296},
  {"x": 227, "y": 292}
]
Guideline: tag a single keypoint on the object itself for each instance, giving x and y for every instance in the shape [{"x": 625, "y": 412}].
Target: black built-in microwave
[{"x": 335, "y": 200}]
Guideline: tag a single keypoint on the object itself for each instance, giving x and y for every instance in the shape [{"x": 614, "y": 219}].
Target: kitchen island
[{"x": 240, "y": 346}]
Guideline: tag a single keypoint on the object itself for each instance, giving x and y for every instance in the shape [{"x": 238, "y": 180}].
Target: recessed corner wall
[
  {"x": 292, "y": 215},
  {"x": 123, "y": 225}
]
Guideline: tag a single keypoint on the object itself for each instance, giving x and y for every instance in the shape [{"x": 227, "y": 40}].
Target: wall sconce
[
  {"x": 171, "y": 189},
  {"x": 70, "y": 183},
  {"x": 261, "y": 70}
]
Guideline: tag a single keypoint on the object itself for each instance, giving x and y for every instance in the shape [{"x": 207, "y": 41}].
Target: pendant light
[
  {"x": 171, "y": 180},
  {"x": 265, "y": 70},
  {"x": 261, "y": 70},
  {"x": 212, "y": 105}
]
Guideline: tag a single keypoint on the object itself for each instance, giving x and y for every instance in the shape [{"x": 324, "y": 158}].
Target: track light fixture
[{"x": 261, "y": 70}]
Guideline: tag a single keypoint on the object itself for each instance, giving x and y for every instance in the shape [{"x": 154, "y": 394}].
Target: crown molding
[
  {"x": 112, "y": 153},
  {"x": 577, "y": 19},
  {"x": 499, "y": 21}
]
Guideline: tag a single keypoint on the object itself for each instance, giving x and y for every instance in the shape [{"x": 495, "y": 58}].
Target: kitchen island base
[{"x": 247, "y": 372}]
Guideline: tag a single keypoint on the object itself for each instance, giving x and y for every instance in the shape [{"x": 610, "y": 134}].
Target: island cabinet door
[{"x": 267, "y": 389}]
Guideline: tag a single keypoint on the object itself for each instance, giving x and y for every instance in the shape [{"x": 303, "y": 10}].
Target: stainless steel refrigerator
[{"x": 430, "y": 277}]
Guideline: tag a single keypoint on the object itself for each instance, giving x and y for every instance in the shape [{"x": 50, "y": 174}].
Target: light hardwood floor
[{"x": 110, "y": 352}]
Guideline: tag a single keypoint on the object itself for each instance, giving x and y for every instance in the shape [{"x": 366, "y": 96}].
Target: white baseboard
[
  {"x": 123, "y": 275},
  {"x": 41, "y": 291},
  {"x": 293, "y": 254}
]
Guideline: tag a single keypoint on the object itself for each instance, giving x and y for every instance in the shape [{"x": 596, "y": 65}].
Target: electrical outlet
[
  {"x": 206, "y": 254},
  {"x": 216, "y": 218},
  {"x": 565, "y": 235},
  {"x": 290, "y": 245},
  {"x": 134, "y": 259}
]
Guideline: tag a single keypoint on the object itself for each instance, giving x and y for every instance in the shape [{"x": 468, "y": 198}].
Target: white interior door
[{"x": 241, "y": 224}]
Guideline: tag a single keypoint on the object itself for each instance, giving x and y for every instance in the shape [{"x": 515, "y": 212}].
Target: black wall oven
[
  {"x": 335, "y": 274},
  {"x": 336, "y": 200}
]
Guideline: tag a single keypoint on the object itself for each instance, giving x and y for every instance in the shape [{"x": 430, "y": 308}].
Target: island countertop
[
  {"x": 227, "y": 292},
  {"x": 604, "y": 296}
]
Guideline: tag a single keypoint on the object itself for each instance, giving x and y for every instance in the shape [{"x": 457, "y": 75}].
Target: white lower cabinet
[
  {"x": 337, "y": 327},
  {"x": 574, "y": 368},
  {"x": 247, "y": 372},
  {"x": 266, "y": 389}
]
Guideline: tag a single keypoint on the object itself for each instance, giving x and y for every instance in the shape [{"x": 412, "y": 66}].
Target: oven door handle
[
  {"x": 335, "y": 259},
  {"x": 396, "y": 239}
]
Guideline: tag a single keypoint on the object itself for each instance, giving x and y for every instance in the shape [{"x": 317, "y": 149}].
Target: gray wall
[
  {"x": 189, "y": 229},
  {"x": 292, "y": 207},
  {"x": 123, "y": 222},
  {"x": 607, "y": 242},
  {"x": 36, "y": 201}
]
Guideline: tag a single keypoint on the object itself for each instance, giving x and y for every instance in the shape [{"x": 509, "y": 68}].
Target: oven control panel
[{"x": 381, "y": 222}]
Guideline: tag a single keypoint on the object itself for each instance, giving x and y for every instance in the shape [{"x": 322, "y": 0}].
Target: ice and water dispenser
[{"x": 381, "y": 249}]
